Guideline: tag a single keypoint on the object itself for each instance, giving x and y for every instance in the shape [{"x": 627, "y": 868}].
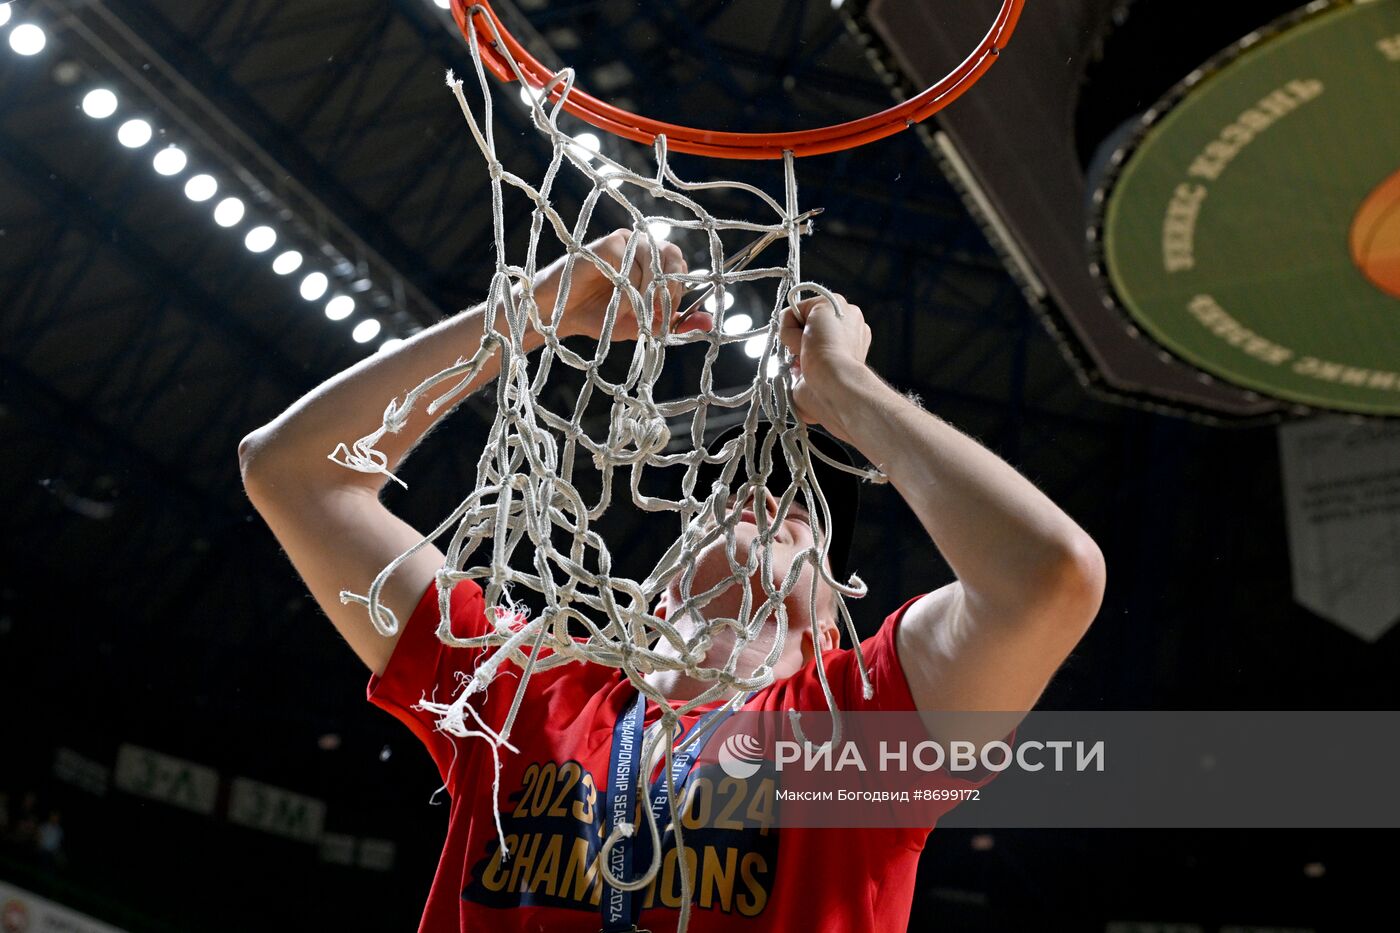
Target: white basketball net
[{"x": 525, "y": 491}]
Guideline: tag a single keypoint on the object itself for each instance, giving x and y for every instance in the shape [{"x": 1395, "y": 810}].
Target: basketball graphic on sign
[
  {"x": 1375, "y": 237},
  {"x": 1252, "y": 228}
]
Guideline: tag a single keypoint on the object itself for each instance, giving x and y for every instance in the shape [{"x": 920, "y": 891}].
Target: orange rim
[{"x": 738, "y": 145}]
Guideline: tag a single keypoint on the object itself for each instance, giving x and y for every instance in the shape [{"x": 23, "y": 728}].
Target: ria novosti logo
[{"x": 740, "y": 756}]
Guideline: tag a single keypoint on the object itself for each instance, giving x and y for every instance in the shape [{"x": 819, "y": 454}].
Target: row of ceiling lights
[{"x": 29, "y": 39}]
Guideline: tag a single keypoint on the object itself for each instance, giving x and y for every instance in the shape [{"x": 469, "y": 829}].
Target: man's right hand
[
  {"x": 590, "y": 290},
  {"x": 330, "y": 520}
]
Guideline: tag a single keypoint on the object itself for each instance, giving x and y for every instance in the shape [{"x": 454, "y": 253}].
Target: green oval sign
[{"x": 1255, "y": 230}]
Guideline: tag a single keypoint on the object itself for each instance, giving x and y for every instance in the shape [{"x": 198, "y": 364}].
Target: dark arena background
[{"x": 1152, "y": 260}]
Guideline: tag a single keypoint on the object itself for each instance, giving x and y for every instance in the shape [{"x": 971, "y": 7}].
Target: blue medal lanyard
[{"x": 620, "y": 907}]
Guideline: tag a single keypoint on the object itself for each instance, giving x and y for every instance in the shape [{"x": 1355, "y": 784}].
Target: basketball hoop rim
[{"x": 725, "y": 145}]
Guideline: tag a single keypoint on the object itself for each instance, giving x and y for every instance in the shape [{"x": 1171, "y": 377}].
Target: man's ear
[
  {"x": 830, "y": 638},
  {"x": 805, "y": 648}
]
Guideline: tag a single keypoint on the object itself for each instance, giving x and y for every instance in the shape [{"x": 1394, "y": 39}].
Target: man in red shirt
[{"x": 1028, "y": 583}]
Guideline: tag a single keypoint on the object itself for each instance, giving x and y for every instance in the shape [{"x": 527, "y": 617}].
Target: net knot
[{"x": 646, "y": 433}]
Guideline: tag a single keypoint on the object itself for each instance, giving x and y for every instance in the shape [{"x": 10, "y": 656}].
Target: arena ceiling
[{"x": 144, "y": 602}]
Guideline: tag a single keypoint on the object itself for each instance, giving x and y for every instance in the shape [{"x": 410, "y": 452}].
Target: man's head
[{"x": 792, "y": 536}]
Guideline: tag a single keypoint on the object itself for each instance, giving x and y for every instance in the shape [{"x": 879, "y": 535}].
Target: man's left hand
[{"x": 826, "y": 348}]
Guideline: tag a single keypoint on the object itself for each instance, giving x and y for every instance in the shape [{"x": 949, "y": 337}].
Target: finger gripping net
[{"x": 506, "y": 533}]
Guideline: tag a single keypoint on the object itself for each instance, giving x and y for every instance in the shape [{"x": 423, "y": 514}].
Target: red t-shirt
[{"x": 552, "y": 796}]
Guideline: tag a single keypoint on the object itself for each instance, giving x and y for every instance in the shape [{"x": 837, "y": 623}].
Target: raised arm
[
  {"x": 329, "y": 519},
  {"x": 1029, "y": 580}
]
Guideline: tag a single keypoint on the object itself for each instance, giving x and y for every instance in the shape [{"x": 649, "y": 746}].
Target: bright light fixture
[
  {"x": 28, "y": 39},
  {"x": 712, "y": 303},
  {"x": 314, "y": 286},
  {"x": 390, "y": 344},
  {"x": 133, "y": 134},
  {"x": 201, "y": 188},
  {"x": 753, "y": 347},
  {"x": 659, "y": 229},
  {"x": 170, "y": 161},
  {"x": 737, "y": 323},
  {"x": 774, "y": 364},
  {"x": 443, "y": 4},
  {"x": 99, "y": 103},
  {"x": 365, "y": 331},
  {"x": 528, "y": 95},
  {"x": 229, "y": 212},
  {"x": 340, "y": 307},
  {"x": 287, "y": 263},
  {"x": 260, "y": 239},
  {"x": 4, "y": 13},
  {"x": 586, "y": 146},
  {"x": 607, "y": 169}
]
